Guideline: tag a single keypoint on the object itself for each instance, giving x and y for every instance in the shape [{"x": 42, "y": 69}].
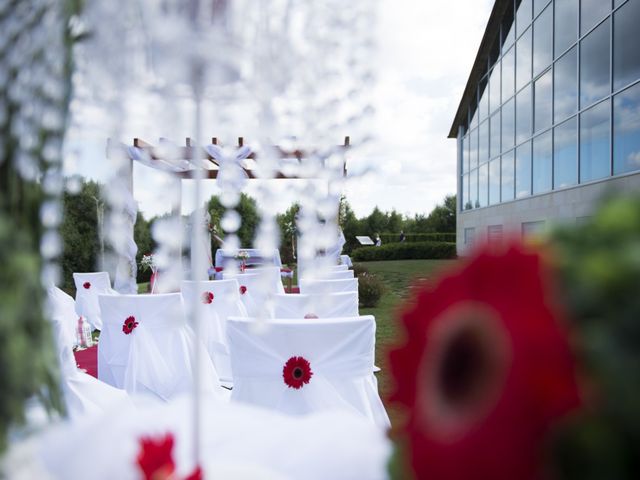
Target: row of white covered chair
[{"x": 156, "y": 357}]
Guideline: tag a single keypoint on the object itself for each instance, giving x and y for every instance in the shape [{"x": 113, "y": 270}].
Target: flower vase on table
[
  {"x": 147, "y": 263},
  {"x": 243, "y": 256}
]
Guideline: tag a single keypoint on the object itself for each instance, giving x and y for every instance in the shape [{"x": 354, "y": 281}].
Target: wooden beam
[{"x": 188, "y": 152}]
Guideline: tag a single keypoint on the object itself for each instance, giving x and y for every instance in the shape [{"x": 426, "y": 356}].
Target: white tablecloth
[{"x": 256, "y": 257}]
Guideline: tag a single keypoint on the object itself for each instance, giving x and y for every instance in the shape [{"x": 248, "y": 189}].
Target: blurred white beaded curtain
[
  {"x": 32, "y": 66},
  {"x": 324, "y": 101}
]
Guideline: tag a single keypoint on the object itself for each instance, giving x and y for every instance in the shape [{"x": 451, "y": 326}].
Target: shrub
[
  {"x": 359, "y": 269},
  {"x": 418, "y": 237},
  {"x": 406, "y": 251},
  {"x": 370, "y": 290}
]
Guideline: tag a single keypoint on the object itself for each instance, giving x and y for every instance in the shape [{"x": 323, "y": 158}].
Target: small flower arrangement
[
  {"x": 242, "y": 255},
  {"x": 147, "y": 263}
]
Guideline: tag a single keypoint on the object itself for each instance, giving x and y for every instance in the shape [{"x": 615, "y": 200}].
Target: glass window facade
[
  {"x": 626, "y": 130},
  {"x": 594, "y": 65},
  {"x": 523, "y": 170},
  {"x": 543, "y": 40},
  {"x": 559, "y": 101},
  {"x": 591, "y": 12},
  {"x": 565, "y": 154},
  {"x": 543, "y": 91},
  {"x": 626, "y": 54},
  {"x": 565, "y": 79},
  {"x": 508, "y": 125},
  {"x": 494, "y": 181},
  {"x": 594, "y": 142},
  {"x": 507, "y": 177},
  {"x": 542, "y": 162},
  {"x": 565, "y": 25}
]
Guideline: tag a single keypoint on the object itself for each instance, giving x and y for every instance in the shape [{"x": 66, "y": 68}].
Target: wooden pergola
[
  {"x": 152, "y": 157},
  {"x": 191, "y": 152}
]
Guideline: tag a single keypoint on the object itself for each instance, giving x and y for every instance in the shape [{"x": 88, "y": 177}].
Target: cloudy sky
[{"x": 425, "y": 53}]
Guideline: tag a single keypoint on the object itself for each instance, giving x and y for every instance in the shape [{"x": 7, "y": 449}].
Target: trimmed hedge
[
  {"x": 406, "y": 251},
  {"x": 418, "y": 237}
]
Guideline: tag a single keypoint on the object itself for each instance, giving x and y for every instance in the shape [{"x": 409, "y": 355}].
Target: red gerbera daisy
[
  {"x": 87, "y": 285},
  {"x": 129, "y": 325},
  {"x": 155, "y": 457},
  {"x": 297, "y": 372},
  {"x": 485, "y": 370},
  {"x": 195, "y": 475},
  {"x": 207, "y": 297},
  {"x": 243, "y": 289}
]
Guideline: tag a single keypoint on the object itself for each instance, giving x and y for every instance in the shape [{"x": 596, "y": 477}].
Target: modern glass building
[{"x": 550, "y": 117}]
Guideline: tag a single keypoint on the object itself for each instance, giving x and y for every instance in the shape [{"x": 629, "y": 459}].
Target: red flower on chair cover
[
  {"x": 485, "y": 369},
  {"x": 155, "y": 457},
  {"x": 243, "y": 289},
  {"x": 129, "y": 325},
  {"x": 311, "y": 315},
  {"x": 87, "y": 285},
  {"x": 207, "y": 297},
  {"x": 297, "y": 372}
]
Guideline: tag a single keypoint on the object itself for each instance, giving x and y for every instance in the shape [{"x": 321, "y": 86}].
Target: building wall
[
  {"x": 556, "y": 119},
  {"x": 539, "y": 213}
]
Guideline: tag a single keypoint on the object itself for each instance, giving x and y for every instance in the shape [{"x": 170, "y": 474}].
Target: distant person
[
  {"x": 402, "y": 237},
  {"x": 378, "y": 240}
]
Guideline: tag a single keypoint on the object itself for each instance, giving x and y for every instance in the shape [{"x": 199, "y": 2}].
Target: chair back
[
  {"x": 157, "y": 354},
  {"x": 302, "y": 367},
  {"x": 220, "y": 299},
  {"x": 257, "y": 289},
  {"x": 331, "y": 305},
  {"x": 328, "y": 286},
  {"x": 88, "y": 287}
]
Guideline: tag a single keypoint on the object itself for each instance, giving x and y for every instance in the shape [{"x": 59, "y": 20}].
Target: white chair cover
[
  {"x": 88, "y": 287},
  {"x": 338, "y": 275},
  {"x": 258, "y": 288},
  {"x": 83, "y": 394},
  {"x": 158, "y": 356},
  {"x": 62, "y": 310},
  {"x": 225, "y": 303},
  {"x": 340, "y": 352},
  {"x": 332, "y": 305},
  {"x": 346, "y": 260},
  {"x": 339, "y": 268},
  {"x": 328, "y": 286},
  {"x": 238, "y": 442}
]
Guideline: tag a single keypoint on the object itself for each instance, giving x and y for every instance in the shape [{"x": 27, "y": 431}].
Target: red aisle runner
[{"x": 87, "y": 359}]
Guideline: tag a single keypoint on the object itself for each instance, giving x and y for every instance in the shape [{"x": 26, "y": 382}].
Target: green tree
[
  {"x": 79, "y": 232},
  {"x": 376, "y": 222},
  {"x": 442, "y": 218},
  {"x": 395, "y": 222},
  {"x": 350, "y": 225},
  {"x": 287, "y": 224},
  {"x": 248, "y": 214}
]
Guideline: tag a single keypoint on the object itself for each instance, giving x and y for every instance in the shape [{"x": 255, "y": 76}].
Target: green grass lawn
[{"x": 398, "y": 276}]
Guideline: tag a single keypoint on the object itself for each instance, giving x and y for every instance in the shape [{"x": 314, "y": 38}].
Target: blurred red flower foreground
[
  {"x": 155, "y": 459},
  {"x": 485, "y": 370}
]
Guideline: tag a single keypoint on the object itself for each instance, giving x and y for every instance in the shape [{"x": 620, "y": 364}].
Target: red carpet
[{"x": 87, "y": 359}]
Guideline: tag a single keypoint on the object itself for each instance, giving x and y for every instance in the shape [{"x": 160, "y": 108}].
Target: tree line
[{"x": 81, "y": 245}]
